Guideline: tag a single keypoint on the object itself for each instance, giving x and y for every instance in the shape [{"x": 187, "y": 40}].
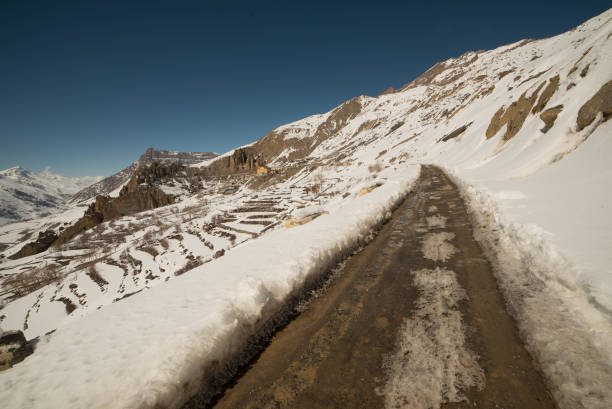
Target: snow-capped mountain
[
  {"x": 111, "y": 184},
  {"x": 28, "y": 195},
  {"x": 523, "y": 130}
]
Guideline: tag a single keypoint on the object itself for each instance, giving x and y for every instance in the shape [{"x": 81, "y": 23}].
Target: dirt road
[{"x": 414, "y": 320}]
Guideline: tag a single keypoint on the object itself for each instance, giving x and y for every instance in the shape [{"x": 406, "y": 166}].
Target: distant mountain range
[{"x": 27, "y": 195}]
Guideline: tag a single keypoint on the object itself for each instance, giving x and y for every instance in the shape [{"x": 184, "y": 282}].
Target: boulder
[{"x": 13, "y": 349}]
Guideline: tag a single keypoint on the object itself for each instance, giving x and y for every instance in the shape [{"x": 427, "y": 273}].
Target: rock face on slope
[
  {"x": 151, "y": 155},
  {"x": 550, "y": 116},
  {"x": 547, "y": 94},
  {"x": 13, "y": 349},
  {"x": 158, "y": 174},
  {"x": 600, "y": 102},
  {"x": 106, "y": 208},
  {"x": 141, "y": 193},
  {"x": 43, "y": 242},
  {"x": 513, "y": 116},
  {"x": 246, "y": 159},
  {"x": 144, "y": 191},
  {"x": 300, "y": 142}
]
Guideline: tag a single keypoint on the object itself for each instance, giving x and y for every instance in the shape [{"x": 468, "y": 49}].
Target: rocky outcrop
[
  {"x": 241, "y": 160},
  {"x": 600, "y": 102},
  {"x": 455, "y": 133},
  {"x": 13, "y": 349},
  {"x": 158, "y": 173},
  {"x": 137, "y": 195},
  {"x": 43, "y": 242},
  {"x": 244, "y": 159},
  {"x": 106, "y": 185},
  {"x": 514, "y": 116},
  {"x": 547, "y": 94},
  {"x": 550, "y": 116},
  {"x": 151, "y": 155},
  {"x": 90, "y": 219},
  {"x": 138, "y": 200}
]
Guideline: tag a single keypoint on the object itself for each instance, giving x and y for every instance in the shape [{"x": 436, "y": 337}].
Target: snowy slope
[
  {"x": 28, "y": 195},
  {"x": 154, "y": 296}
]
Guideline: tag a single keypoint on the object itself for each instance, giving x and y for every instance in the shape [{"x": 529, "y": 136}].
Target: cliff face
[
  {"x": 139, "y": 194},
  {"x": 241, "y": 160},
  {"x": 151, "y": 155},
  {"x": 43, "y": 242}
]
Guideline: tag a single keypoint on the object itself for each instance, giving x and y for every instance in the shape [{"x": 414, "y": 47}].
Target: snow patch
[
  {"x": 432, "y": 364},
  {"x": 436, "y": 221},
  {"x": 436, "y": 246}
]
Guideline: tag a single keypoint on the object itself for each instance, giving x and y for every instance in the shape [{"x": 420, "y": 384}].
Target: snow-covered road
[{"x": 414, "y": 320}]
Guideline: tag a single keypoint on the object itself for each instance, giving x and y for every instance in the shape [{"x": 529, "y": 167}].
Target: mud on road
[{"x": 413, "y": 320}]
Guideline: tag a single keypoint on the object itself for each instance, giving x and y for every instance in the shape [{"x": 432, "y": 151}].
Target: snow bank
[
  {"x": 564, "y": 329},
  {"x": 152, "y": 349}
]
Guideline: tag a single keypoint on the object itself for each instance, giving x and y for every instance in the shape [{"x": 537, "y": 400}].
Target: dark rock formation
[
  {"x": 241, "y": 160},
  {"x": 151, "y": 155},
  {"x": 13, "y": 349},
  {"x": 514, "y": 116},
  {"x": 158, "y": 173},
  {"x": 137, "y": 195},
  {"x": 244, "y": 159},
  {"x": 547, "y": 94},
  {"x": 550, "y": 116},
  {"x": 455, "y": 133},
  {"x": 600, "y": 102},
  {"x": 106, "y": 208},
  {"x": 43, "y": 242}
]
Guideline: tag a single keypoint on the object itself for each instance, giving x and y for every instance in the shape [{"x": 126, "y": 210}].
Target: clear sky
[{"x": 86, "y": 87}]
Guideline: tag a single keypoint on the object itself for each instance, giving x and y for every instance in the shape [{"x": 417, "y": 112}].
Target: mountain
[
  {"x": 27, "y": 195},
  {"x": 114, "y": 182},
  {"x": 522, "y": 130}
]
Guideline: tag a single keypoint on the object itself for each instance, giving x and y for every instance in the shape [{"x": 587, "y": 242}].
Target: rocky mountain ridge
[{"x": 112, "y": 183}]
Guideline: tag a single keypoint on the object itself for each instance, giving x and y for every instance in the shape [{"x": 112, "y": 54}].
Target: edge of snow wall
[
  {"x": 562, "y": 329},
  {"x": 276, "y": 315}
]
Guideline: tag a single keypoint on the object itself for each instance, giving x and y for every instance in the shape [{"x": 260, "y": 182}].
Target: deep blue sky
[{"x": 86, "y": 87}]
